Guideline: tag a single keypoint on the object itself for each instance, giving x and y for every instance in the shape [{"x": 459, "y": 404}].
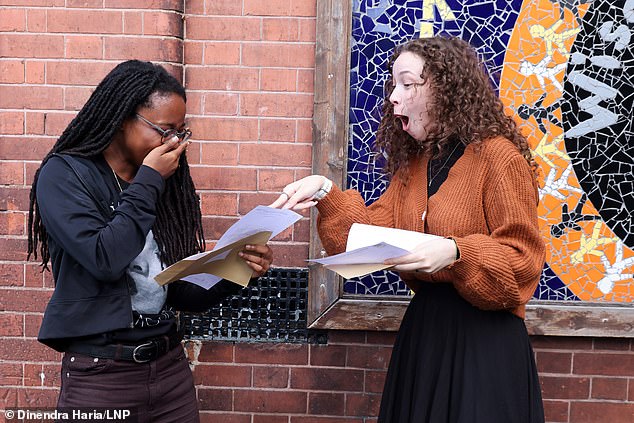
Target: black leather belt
[{"x": 145, "y": 351}]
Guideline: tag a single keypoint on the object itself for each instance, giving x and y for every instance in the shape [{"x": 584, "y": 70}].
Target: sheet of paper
[
  {"x": 260, "y": 219},
  {"x": 363, "y": 235},
  {"x": 372, "y": 254},
  {"x": 208, "y": 268}
]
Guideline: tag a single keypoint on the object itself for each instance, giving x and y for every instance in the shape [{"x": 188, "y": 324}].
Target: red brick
[
  {"x": 197, "y": 7},
  {"x": 18, "y": 148},
  {"x": 316, "y": 378},
  {"x": 370, "y": 357},
  {"x": 363, "y": 404},
  {"x": 221, "y": 104},
  {"x": 612, "y": 344},
  {"x": 76, "y": 97},
  {"x": 13, "y": 199},
  {"x": 225, "y": 78},
  {"x": 12, "y": 223},
  {"x": 37, "y": 397},
  {"x": 34, "y": 123},
  {"x": 35, "y": 72},
  {"x": 12, "y": 123},
  {"x": 215, "y": 399},
  {"x": 163, "y": 23},
  {"x": 32, "y": 324},
  {"x": 214, "y": 417},
  {"x": 51, "y": 375},
  {"x": 326, "y": 403},
  {"x": 219, "y": 204},
  {"x": 374, "y": 381},
  {"x": 31, "y": 97},
  {"x": 219, "y": 153},
  {"x": 269, "y": 104},
  {"x": 163, "y": 50},
  {"x": 554, "y": 362},
  {"x": 280, "y": 29},
  {"x": 307, "y": 30},
  {"x": 223, "y": 28},
  {"x": 268, "y": 419},
  {"x": 272, "y": 353},
  {"x": 305, "y": 80},
  {"x": 84, "y": 47},
  {"x": 248, "y": 201},
  {"x": 10, "y": 374},
  {"x": 84, "y": 21},
  {"x": 175, "y": 5},
  {"x": 565, "y": 387},
  {"x": 561, "y": 342},
  {"x": 12, "y": 173},
  {"x": 278, "y": 80},
  {"x": 224, "y": 7},
  {"x": 328, "y": 355},
  {"x": 222, "y": 376},
  {"x": 36, "y": 20},
  {"x": 280, "y": 8},
  {"x": 33, "y": 374},
  {"x": 281, "y": 130},
  {"x": 12, "y": 249},
  {"x": 278, "y": 55},
  {"x": 93, "y": 4},
  {"x": 304, "y": 131},
  {"x": 218, "y": 352},
  {"x": 221, "y": 53},
  {"x": 224, "y": 178},
  {"x": 270, "y": 377},
  {"x": 214, "y": 227},
  {"x": 33, "y": 276},
  {"x": 556, "y": 411},
  {"x": 11, "y": 71},
  {"x": 26, "y": 350},
  {"x": 193, "y": 53},
  {"x": 23, "y": 300},
  {"x": 346, "y": 337},
  {"x": 630, "y": 396},
  {"x": 27, "y": 45},
  {"x": 11, "y": 324},
  {"x": 287, "y": 255},
  {"x": 301, "y": 231},
  {"x": 12, "y": 20},
  {"x": 225, "y": 129},
  {"x": 269, "y": 155},
  {"x": 381, "y": 338},
  {"x": 608, "y": 364},
  {"x": 56, "y": 123},
  {"x": 609, "y": 388},
  {"x": 274, "y": 179},
  {"x": 594, "y": 412},
  {"x": 11, "y": 274},
  {"x": 132, "y": 22},
  {"x": 77, "y": 73},
  {"x": 313, "y": 419},
  {"x": 262, "y": 401}
]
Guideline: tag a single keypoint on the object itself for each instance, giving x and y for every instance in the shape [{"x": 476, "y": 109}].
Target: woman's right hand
[
  {"x": 299, "y": 194},
  {"x": 164, "y": 158}
]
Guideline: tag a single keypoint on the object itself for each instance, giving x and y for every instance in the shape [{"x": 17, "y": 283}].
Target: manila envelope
[{"x": 227, "y": 263}]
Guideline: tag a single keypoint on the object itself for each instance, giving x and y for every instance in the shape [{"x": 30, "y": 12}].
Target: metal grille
[{"x": 273, "y": 310}]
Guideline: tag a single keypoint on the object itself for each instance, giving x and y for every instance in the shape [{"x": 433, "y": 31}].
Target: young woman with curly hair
[{"x": 459, "y": 169}]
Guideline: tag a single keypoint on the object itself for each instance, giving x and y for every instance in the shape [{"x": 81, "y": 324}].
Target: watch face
[{"x": 564, "y": 70}]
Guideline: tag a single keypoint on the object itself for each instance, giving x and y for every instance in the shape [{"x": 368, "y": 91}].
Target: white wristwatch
[{"x": 325, "y": 189}]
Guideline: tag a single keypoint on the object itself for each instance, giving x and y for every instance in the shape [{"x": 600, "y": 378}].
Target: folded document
[{"x": 209, "y": 267}]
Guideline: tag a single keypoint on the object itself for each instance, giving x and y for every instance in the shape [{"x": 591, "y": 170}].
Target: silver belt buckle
[{"x": 137, "y": 360}]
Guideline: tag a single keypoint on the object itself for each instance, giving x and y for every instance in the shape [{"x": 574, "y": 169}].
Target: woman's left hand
[
  {"x": 428, "y": 257},
  {"x": 258, "y": 258}
]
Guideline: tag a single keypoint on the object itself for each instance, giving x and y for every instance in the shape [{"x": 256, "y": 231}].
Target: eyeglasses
[{"x": 168, "y": 134}]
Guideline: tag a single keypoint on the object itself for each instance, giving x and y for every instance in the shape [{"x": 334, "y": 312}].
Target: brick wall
[{"x": 248, "y": 66}]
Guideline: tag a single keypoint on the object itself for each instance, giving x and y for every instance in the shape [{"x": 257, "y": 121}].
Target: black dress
[{"x": 455, "y": 363}]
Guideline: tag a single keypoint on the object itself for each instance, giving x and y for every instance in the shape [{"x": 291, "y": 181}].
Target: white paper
[
  {"x": 260, "y": 219},
  {"x": 363, "y": 235},
  {"x": 371, "y": 254},
  {"x": 203, "y": 279}
]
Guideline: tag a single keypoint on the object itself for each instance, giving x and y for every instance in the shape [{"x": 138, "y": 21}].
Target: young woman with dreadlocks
[
  {"x": 460, "y": 169},
  {"x": 111, "y": 205}
]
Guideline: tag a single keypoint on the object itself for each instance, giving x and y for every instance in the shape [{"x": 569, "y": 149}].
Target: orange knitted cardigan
[{"x": 487, "y": 204}]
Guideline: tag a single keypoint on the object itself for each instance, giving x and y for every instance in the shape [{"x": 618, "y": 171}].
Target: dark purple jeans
[{"x": 159, "y": 391}]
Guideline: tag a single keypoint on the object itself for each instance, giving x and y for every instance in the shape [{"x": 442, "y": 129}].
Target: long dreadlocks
[{"x": 178, "y": 227}]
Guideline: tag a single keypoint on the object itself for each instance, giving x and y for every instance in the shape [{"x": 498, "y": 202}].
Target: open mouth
[{"x": 404, "y": 120}]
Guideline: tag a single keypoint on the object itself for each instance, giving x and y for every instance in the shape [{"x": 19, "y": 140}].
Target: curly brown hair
[{"x": 465, "y": 106}]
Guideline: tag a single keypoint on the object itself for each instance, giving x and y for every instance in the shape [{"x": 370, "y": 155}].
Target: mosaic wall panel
[{"x": 565, "y": 70}]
